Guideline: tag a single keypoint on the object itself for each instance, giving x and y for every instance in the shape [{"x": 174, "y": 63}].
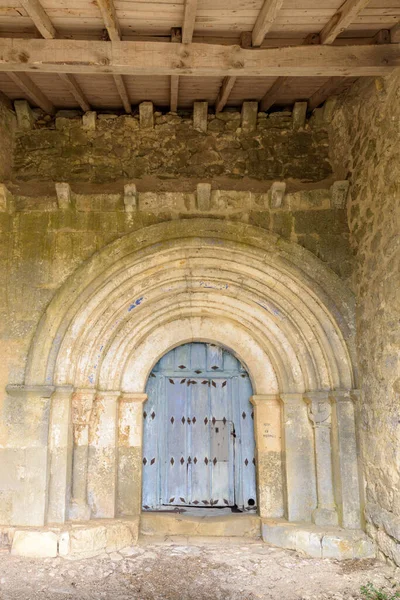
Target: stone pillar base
[
  {"x": 79, "y": 511},
  {"x": 324, "y": 516}
]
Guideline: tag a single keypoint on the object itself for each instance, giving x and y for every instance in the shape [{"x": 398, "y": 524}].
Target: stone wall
[
  {"x": 366, "y": 148},
  {"x": 114, "y": 147},
  {"x": 7, "y": 132}
]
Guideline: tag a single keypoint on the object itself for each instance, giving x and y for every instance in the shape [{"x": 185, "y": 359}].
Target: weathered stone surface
[
  {"x": 365, "y": 145},
  {"x": 146, "y": 114},
  {"x": 226, "y": 526},
  {"x": 200, "y": 111},
  {"x": 25, "y": 118},
  {"x": 8, "y": 124},
  {"x": 34, "y": 544},
  {"x": 203, "y": 196},
  {"x": 318, "y": 542},
  {"x": 117, "y": 149},
  {"x": 249, "y": 116},
  {"x": 89, "y": 120}
]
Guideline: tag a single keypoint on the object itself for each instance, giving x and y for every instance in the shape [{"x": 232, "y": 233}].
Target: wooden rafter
[
  {"x": 26, "y": 84},
  {"x": 189, "y": 19},
  {"x": 176, "y": 38},
  {"x": 224, "y": 92},
  {"x": 341, "y": 20},
  {"x": 110, "y": 20},
  {"x": 42, "y": 22},
  {"x": 159, "y": 58},
  {"x": 75, "y": 90},
  {"x": 40, "y": 18},
  {"x": 395, "y": 34},
  {"x": 111, "y": 23},
  {"x": 265, "y": 20},
  {"x": 280, "y": 83}
]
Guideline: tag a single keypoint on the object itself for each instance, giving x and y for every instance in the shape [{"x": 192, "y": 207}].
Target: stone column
[
  {"x": 28, "y": 409},
  {"x": 268, "y": 436},
  {"x": 130, "y": 443},
  {"x": 319, "y": 411},
  {"x": 346, "y": 467},
  {"x": 82, "y": 404},
  {"x": 60, "y": 444},
  {"x": 299, "y": 460},
  {"x": 102, "y": 457}
]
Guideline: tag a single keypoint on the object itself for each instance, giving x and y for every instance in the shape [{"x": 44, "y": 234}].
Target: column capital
[
  {"x": 263, "y": 399},
  {"x": 109, "y": 393},
  {"x": 68, "y": 390},
  {"x": 292, "y": 397},
  {"x": 139, "y": 397},
  {"x": 317, "y": 396},
  {"x": 345, "y": 395},
  {"x": 25, "y": 391},
  {"x": 319, "y": 408}
]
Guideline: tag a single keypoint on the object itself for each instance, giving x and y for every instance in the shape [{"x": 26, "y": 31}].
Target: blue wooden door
[{"x": 198, "y": 439}]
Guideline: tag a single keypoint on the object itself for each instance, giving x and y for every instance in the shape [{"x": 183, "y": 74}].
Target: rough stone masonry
[{"x": 47, "y": 232}]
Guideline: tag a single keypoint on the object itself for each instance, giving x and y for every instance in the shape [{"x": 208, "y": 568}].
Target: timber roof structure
[{"x": 114, "y": 54}]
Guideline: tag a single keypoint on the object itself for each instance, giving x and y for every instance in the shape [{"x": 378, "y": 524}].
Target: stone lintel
[
  {"x": 139, "y": 397},
  {"x": 200, "y": 112},
  {"x": 262, "y": 399},
  {"x": 41, "y": 391}
]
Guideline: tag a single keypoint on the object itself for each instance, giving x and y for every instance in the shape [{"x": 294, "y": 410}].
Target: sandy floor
[{"x": 165, "y": 570}]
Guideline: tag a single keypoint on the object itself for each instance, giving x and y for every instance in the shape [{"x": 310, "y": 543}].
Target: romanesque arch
[{"x": 273, "y": 304}]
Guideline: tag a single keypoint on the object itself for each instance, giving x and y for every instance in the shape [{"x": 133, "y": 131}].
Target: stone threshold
[
  {"x": 99, "y": 537},
  {"x": 316, "y": 541},
  {"x": 242, "y": 525}
]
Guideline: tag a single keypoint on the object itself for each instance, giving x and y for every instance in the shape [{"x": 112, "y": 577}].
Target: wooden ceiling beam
[
  {"x": 265, "y": 20},
  {"x": 42, "y": 22},
  {"x": 224, "y": 93},
  {"x": 109, "y": 16},
  {"x": 341, "y": 20},
  {"x": 25, "y": 83},
  {"x": 189, "y": 19},
  {"x": 157, "y": 58}
]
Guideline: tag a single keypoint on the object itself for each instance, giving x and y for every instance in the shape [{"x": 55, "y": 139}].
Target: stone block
[
  {"x": 119, "y": 535},
  {"x": 339, "y": 193},
  {"x": 274, "y": 533},
  {"x": 146, "y": 115},
  {"x": 329, "y": 108},
  {"x": 25, "y": 118},
  {"x": 200, "y": 113},
  {"x": 309, "y": 542},
  {"x": 130, "y": 197},
  {"x": 277, "y": 193},
  {"x": 6, "y": 199},
  {"x": 203, "y": 196},
  {"x": 249, "y": 116},
  {"x": 83, "y": 542},
  {"x": 64, "y": 199},
  {"x": 89, "y": 120},
  {"x": 34, "y": 544},
  {"x": 299, "y": 115}
]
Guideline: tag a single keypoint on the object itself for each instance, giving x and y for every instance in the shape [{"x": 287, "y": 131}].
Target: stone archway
[{"x": 272, "y": 303}]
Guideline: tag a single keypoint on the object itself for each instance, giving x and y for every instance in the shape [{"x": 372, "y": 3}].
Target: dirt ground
[{"x": 201, "y": 570}]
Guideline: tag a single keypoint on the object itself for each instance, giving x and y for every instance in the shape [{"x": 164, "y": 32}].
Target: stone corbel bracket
[
  {"x": 64, "y": 196},
  {"x": 7, "y": 204},
  {"x": 276, "y": 194},
  {"x": 339, "y": 193},
  {"x": 131, "y": 198}
]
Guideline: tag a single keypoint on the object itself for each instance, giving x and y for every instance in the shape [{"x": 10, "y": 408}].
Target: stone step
[
  {"x": 172, "y": 524},
  {"x": 318, "y": 542}
]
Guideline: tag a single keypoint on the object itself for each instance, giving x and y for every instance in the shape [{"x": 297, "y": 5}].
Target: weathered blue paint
[
  {"x": 198, "y": 446},
  {"x": 135, "y": 304}
]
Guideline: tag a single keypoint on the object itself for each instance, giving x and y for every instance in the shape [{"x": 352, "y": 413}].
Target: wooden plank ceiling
[{"x": 250, "y": 24}]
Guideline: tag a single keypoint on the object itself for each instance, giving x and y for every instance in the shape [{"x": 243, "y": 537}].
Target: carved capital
[{"x": 319, "y": 408}]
